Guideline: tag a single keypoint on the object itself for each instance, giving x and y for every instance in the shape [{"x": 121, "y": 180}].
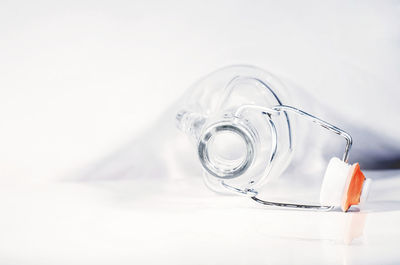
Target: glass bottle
[{"x": 247, "y": 132}]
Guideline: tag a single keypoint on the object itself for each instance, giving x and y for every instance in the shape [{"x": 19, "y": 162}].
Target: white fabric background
[{"x": 79, "y": 77}]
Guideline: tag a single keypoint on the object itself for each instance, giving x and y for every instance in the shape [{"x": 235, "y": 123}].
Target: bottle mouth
[{"x": 226, "y": 149}]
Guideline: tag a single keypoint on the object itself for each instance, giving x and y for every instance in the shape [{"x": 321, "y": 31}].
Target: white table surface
[{"x": 181, "y": 222}]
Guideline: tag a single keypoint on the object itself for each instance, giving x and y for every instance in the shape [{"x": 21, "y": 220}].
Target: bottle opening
[{"x": 226, "y": 150}]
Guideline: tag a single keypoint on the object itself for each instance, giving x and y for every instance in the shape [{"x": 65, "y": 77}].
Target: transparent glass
[{"x": 240, "y": 146}]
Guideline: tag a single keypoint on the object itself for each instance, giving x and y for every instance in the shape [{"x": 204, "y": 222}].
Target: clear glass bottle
[{"x": 247, "y": 133}]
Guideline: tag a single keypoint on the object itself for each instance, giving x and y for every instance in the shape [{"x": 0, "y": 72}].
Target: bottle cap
[{"x": 343, "y": 185}]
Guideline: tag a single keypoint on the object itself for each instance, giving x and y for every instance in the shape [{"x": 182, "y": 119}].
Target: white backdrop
[{"x": 80, "y": 78}]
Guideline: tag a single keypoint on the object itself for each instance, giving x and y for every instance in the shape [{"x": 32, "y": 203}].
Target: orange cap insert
[{"x": 352, "y": 197}]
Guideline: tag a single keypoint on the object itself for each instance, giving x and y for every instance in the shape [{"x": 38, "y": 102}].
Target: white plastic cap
[
  {"x": 334, "y": 182},
  {"x": 365, "y": 190}
]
